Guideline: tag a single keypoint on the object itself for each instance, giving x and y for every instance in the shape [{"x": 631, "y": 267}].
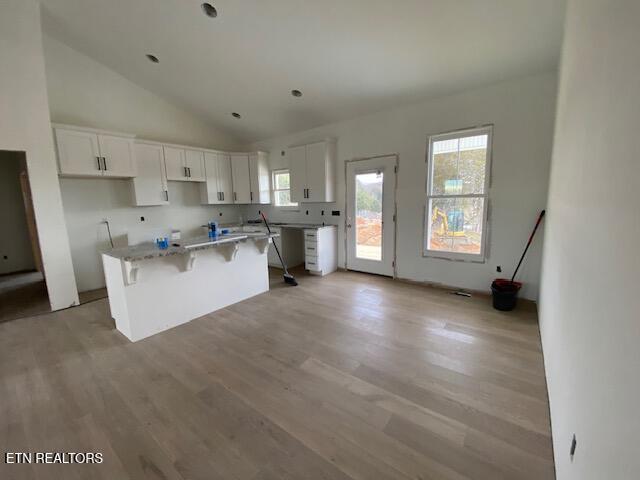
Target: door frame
[{"x": 395, "y": 210}]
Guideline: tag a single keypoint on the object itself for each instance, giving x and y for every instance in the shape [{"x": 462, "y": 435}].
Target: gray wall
[
  {"x": 590, "y": 307},
  {"x": 14, "y": 235}
]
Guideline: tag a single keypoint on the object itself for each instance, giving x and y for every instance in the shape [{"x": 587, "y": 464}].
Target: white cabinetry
[
  {"x": 92, "y": 153},
  {"x": 218, "y": 186},
  {"x": 313, "y": 170},
  {"x": 150, "y": 184},
  {"x": 241, "y": 178},
  {"x": 184, "y": 165},
  {"x": 321, "y": 250},
  {"x": 260, "y": 181}
]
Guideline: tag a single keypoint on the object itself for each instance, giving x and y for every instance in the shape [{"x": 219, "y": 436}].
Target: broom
[{"x": 288, "y": 278}]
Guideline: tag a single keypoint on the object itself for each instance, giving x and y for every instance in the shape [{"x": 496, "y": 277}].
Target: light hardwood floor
[{"x": 349, "y": 376}]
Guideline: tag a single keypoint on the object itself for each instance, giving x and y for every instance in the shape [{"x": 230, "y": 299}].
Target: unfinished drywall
[
  {"x": 522, "y": 112},
  {"x": 590, "y": 308},
  {"x": 15, "y": 245},
  {"x": 25, "y": 126}
]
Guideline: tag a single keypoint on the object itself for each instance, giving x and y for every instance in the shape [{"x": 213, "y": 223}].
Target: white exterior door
[
  {"x": 371, "y": 209},
  {"x": 78, "y": 152}
]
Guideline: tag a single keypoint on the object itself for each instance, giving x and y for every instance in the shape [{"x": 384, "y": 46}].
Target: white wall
[
  {"x": 85, "y": 92},
  {"x": 523, "y": 114},
  {"x": 24, "y": 126},
  {"x": 14, "y": 239},
  {"x": 590, "y": 307},
  {"x": 88, "y": 201}
]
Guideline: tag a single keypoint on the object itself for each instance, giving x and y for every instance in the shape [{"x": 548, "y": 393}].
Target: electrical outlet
[
  {"x": 322, "y": 213},
  {"x": 142, "y": 219},
  {"x": 572, "y": 451},
  {"x": 335, "y": 213},
  {"x": 499, "y": 269},
  {"x": 307, "y": 212}
]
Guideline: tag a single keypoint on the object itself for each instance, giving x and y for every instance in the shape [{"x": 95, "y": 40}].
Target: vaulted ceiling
[{"x": 348, "y": 57}]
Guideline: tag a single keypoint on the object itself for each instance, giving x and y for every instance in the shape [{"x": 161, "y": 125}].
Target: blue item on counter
[
  {"x": 224, "y": 231},
  {"x": 213, "y": 229},
  {"x": 163, "y": 243}
]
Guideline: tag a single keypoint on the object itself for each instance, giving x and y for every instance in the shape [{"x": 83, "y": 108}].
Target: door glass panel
[{"x": 369, "y": 215}]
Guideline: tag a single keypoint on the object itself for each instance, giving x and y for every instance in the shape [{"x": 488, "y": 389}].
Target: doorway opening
[
  {"x": 371, "y": 211},
  {"x": 23, "y": 290}
]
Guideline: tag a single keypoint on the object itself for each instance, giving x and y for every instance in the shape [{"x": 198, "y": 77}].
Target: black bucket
[{"x": 505, "y": 294}]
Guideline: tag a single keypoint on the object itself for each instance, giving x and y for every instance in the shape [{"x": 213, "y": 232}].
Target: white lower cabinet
[
  {"x": 150, "y": 184},
  {"x": 321, "y": 250}
]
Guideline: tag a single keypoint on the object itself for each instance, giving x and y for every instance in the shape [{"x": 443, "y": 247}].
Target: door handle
[
  {"x": 99, "y": 164},
  {"x": 348, "y": 225}
]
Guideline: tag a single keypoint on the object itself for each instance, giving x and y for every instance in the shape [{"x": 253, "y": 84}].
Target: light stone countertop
[{"x": 150, "y": 250}]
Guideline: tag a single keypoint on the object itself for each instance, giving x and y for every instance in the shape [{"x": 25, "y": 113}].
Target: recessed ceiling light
[
  {"x": 209, "y": 10},
  {"x": 236, "y": 114},
  {"x": 296, "y": 93},
  {"x": 153, "y": 58}
]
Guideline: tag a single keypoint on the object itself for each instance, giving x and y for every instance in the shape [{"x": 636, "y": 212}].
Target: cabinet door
[
  {"x": 225, "y": 181},
  {"x": 298, "y": 171},
  {"x": 78, "y": 153},
  {"x": 241, "y": 182},
  {"x": 150, "y": 183},
  {"x": 174, "y": 163},
  {"x": 194, "y": 161},
  {"x": 210, "y": 192},
  {"x": 316, "y": 173},
  {"x": 260, "y": 181},
  {"x": 117, "y": 156}
]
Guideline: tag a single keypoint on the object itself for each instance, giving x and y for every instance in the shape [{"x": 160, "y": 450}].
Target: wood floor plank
[{"x": 343, "y": 377}]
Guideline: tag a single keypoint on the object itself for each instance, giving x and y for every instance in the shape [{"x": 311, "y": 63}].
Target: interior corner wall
[
  {"x": 522, "y": 112},
  {"x": 590, "y": 307},
  {"x": 25, "y": 126}
]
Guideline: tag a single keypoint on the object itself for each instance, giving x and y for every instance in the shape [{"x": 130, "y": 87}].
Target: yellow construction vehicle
[{"x": 441, "y": 221}]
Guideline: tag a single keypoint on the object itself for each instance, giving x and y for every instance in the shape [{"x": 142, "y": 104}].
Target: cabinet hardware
[
  {"x": 251, "y": 196},
  {"x": 308, "y": 192},
  {"x": 104, "y": 163},
  {"x": 223, "y": 196},
  {"x": 99, "y": 164},
  {"x": 166, "y": 194},
  {"x": 189, "y": 170},
  {"x": 185, "y": 171},
  {"x": 235, "y": 197}
]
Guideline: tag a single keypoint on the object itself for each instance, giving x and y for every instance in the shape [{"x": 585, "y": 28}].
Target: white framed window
[
  {"x": 281, "y": 181},
  {"x": 458, "y": 170}
]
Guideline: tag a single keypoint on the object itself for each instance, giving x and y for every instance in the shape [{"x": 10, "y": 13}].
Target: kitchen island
[{"x": 152, "y": 290}]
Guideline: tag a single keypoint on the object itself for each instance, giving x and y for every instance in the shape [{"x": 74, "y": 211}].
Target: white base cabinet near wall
[
  {"x": 87, "y": 152},
  {"x": 321, "y": 250},
  {"x": 150, "y": 184}
]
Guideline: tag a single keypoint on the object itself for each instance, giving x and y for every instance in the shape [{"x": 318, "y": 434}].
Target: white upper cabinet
[
  {"x": 313, "y": 172},
  {"x": 118, "y": 157},
  {"x": 174, "y": 161},
  {"x": 218, "y": 186},
  {"x": 184, "y": 165},
  {"x": 88, "y": 153},
  {"x": 150, "y": 184},
  {"x": 194, "y": 161},
  {"x": 241, "y": 178},
  {"x": 259, "y": 175},
  {"x": 298, "y": 173}
]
